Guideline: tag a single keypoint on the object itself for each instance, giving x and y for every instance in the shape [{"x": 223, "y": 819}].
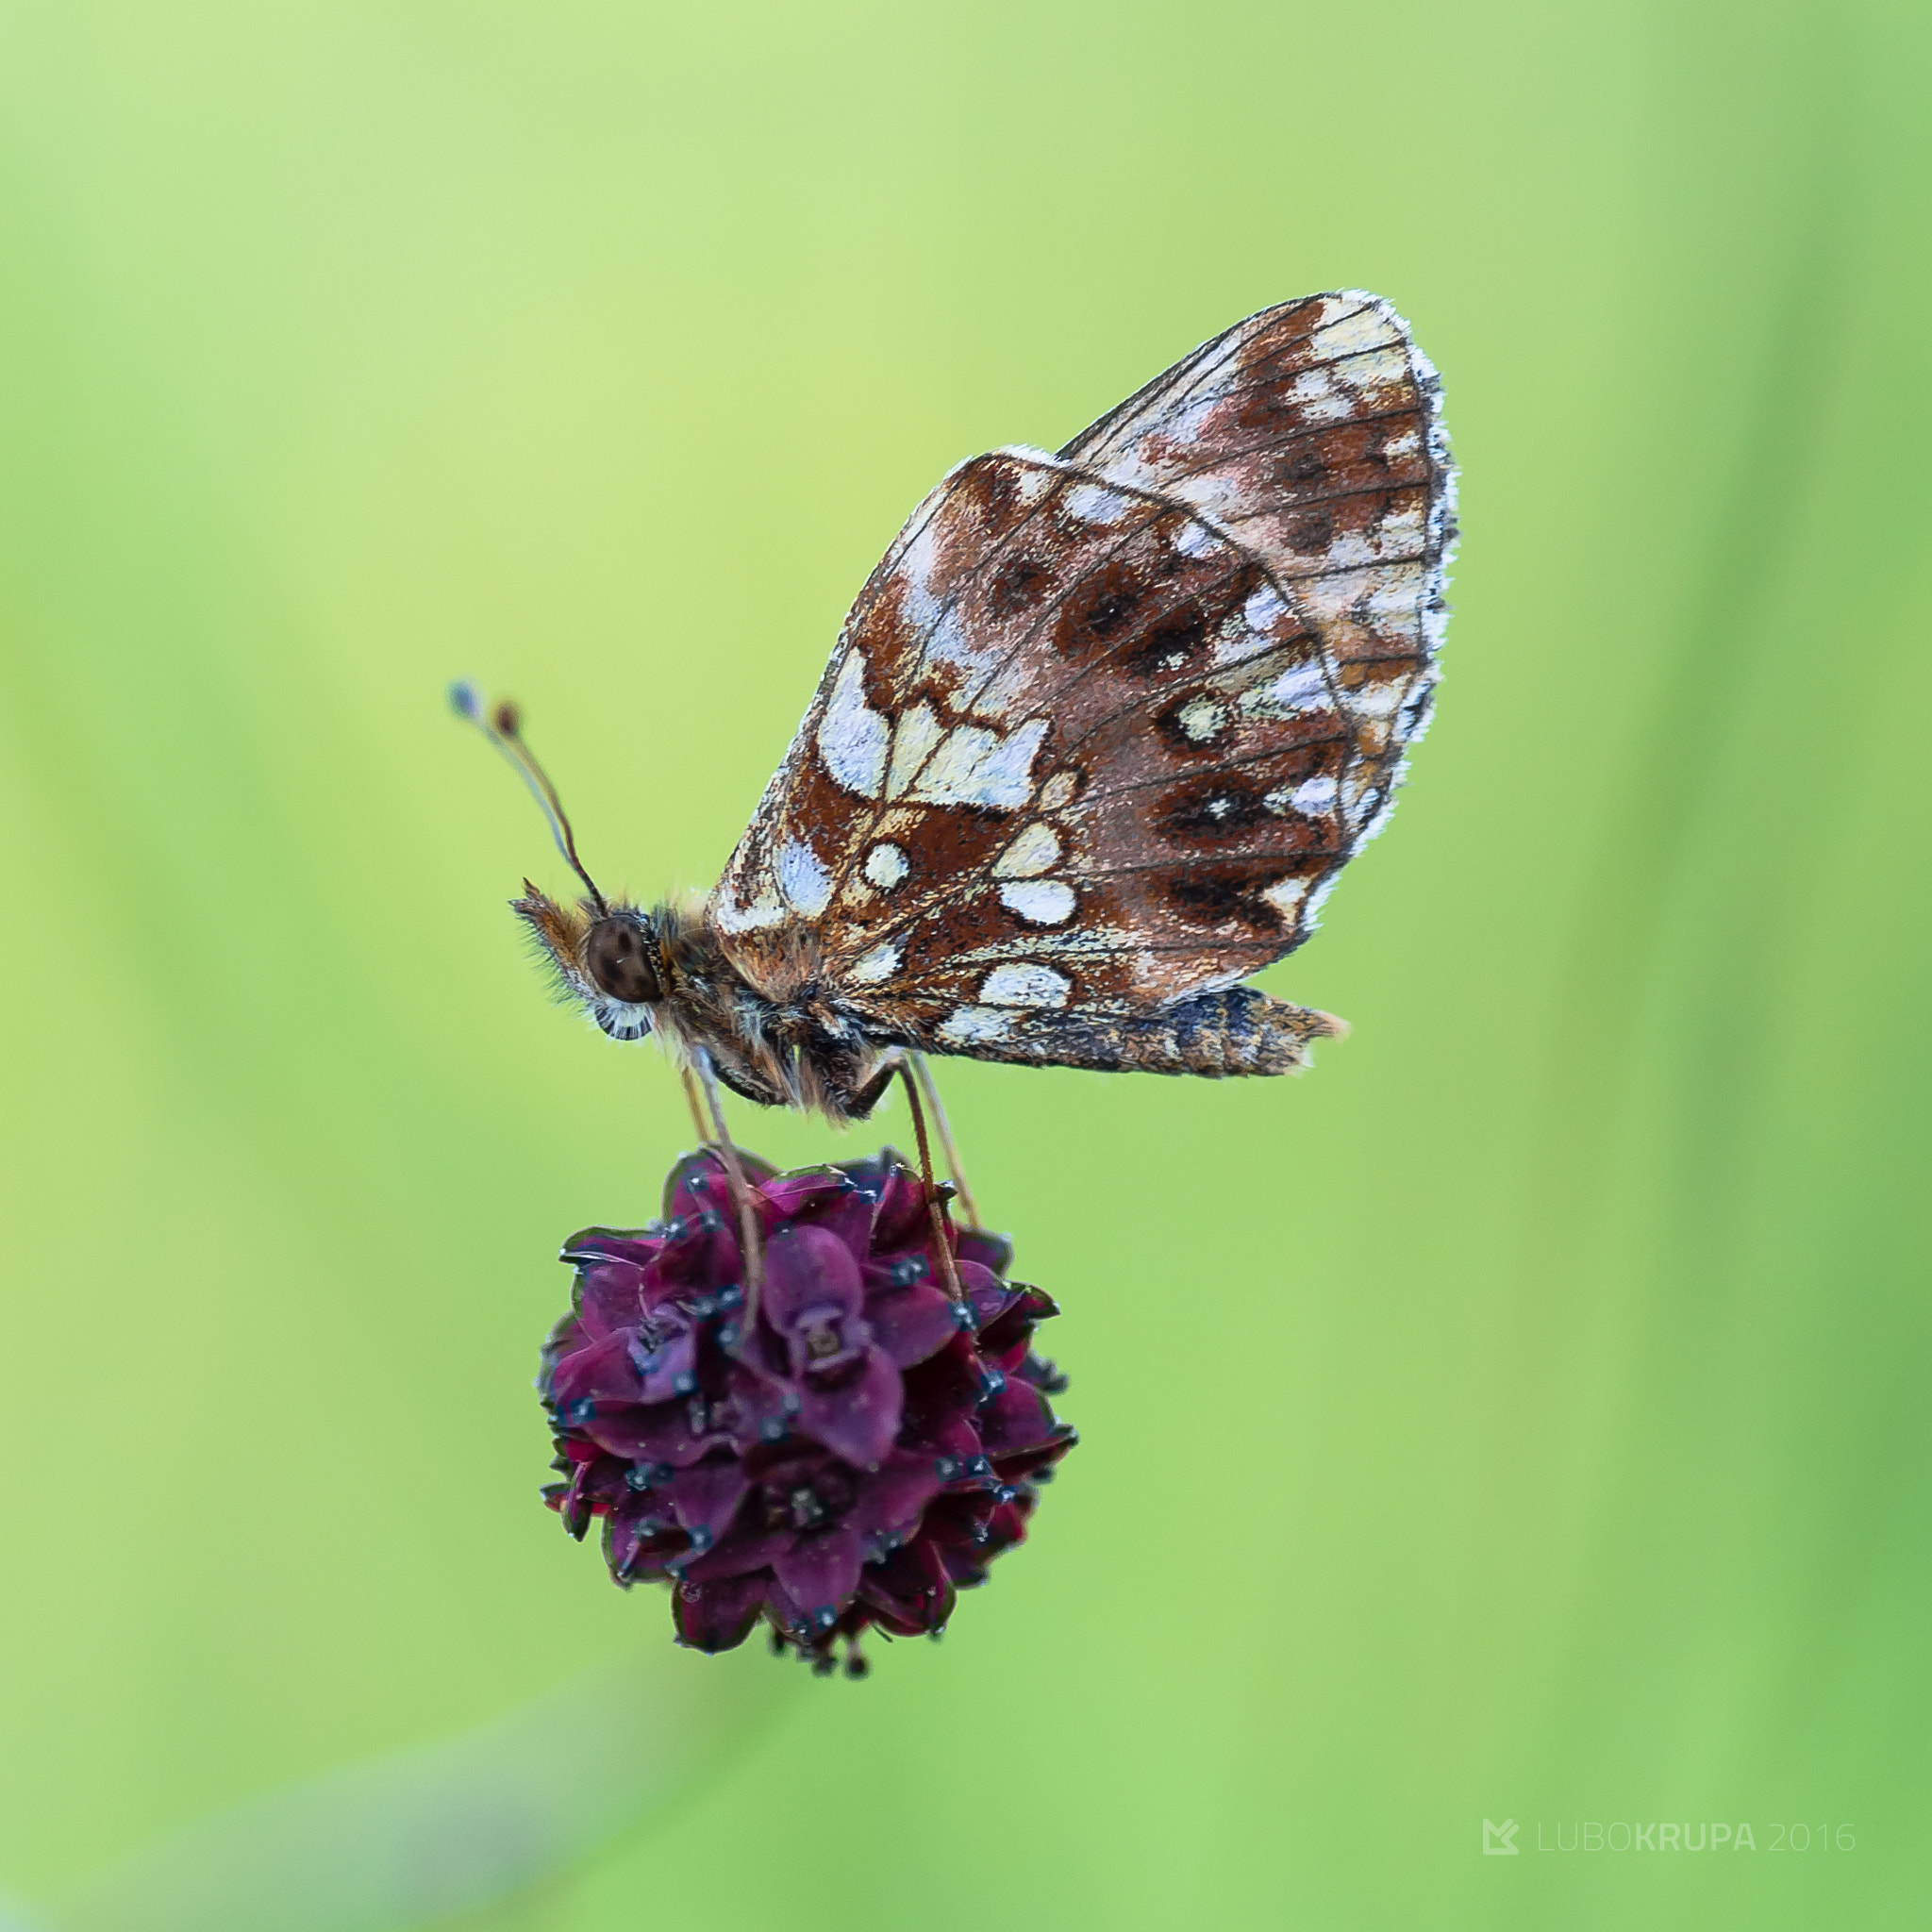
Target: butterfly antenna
[
  {"x": 740, "y": 1196},
  {"x": 922, "y": 1072},
  {"x": 935, "y": 1210},
  {"x": 503, "y": 725}
]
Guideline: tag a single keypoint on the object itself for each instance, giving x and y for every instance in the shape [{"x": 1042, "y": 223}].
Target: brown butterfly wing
[
  {"x": 1312, "y": 434},
  {"x": 1102, "y": 727}
]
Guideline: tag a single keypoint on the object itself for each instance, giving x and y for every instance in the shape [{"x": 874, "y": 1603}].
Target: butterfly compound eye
[{"x": 619, "y": 956}]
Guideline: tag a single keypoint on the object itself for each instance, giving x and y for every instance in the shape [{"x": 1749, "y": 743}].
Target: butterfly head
[{"x": 606, "y": 957}]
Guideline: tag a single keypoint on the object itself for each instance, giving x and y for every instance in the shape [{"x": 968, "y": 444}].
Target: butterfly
[{"x": 1097, "y": 737}]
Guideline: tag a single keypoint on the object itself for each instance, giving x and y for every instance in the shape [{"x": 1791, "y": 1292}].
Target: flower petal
[
  {"x": 639, "y": 1539},
  {"x": 699, "y": 1181},
  {"x": 858, "y": 1420},
  {"x": 808, "y": 1190},
  {"x": 665, "y": 1365},
  {"x": 1013, "y": 1327},
  {"x": 740, "y": 1553},
  {"x": 1017, "y": 1466},
  {"x": 718, "y": 1615},
  {"x": 889, "y": 1505},
  {"x": 821, "y": 1572},
  {"x": 909, "y": 1592},
  {"x": 901, "y": 1219},
  {"x": 910, "y": 1323},
  {"x": 706, "y": 1498},
  {"x": 599, "y": 1374},
  {"x": 990, "y": 1297},
  {"x": 846, "y": 1215},
  {"x": 807, "y": 1269},
  {"x": 1019, "y": 1417},
  {"x": 993, "y": 1251},
  {"x": 632, "y": 1247},
  {"x": 663, "y": 1433}
]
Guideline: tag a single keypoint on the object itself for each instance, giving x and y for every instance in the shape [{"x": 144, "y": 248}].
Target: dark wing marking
[
  {"x": 1312, "y": 434},
  {"x": 1102, "y": 728}
]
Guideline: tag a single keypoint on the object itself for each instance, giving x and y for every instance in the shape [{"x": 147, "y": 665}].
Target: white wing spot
[
  {"x": 1321, "y": 397},
  {"x": 1265, "y": 608},
  {"x": 1286, "y": 896},
  {"x": 914, "y": 569},
  {"x": 1300, "y": 688},
  {"x": 1025, "y": 985},
  {"x": 1202, "y": 720},
  {"x": 967, "y": 1024},
  {"x": 973, "y": 766},
  {"x": 852, "y": 736},
  {"x": 1375, "y": 821},
  {"x": 913, "y": 738},
  {"x": 1255, "y": 629},
  {"x": 1400, "y": 529},
  {"x": 1094, "y": 503},
  {"x": 1032, "y": 470},
  {"x": 1059, "y": 791},
  {"x": 885, "y": 866},
  {"x": 804, "y": 883},
  {"x": 1040, "y": 902},
  {"x": 880, "y": 963},
  {"x": 1035, "y": 851},
  {"x": 765, "y": 909},
  {"x": 1314, "y": 796},
  {"x": 1367, "y": 328},
  {"x": 1383, "y": 369},
  {"x": 1377, "y": 700},
  {"x": 1194, "y": 538}
]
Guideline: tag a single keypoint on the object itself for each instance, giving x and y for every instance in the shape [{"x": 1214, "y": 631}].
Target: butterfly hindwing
[{"x": 1097, "y": 734}]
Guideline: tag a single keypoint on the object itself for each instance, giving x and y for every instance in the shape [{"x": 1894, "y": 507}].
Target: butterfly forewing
[{"x": 1102, "y": 727}]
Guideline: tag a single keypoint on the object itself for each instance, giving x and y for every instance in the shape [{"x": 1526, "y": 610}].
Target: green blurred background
[{"x": 1521, "y": 1417}]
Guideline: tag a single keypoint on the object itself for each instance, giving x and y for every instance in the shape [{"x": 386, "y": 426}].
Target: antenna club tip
[
  {"x": 465, "y": 700},
  {"x": 507, "y": 718}
]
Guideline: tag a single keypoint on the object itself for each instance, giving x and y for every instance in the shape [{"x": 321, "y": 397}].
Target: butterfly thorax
[{"x": 773, "y": 1030}]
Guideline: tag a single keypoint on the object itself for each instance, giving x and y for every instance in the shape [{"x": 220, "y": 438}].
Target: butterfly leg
[
  {"x": 857, "y": 1102},
  {"x": 751, "y": 1248},
  {"x": 934, "y": 1208},
  {"x": 922, "y": 1073}
]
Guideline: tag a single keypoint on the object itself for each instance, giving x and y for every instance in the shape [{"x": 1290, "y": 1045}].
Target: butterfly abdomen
[
  {"x": 1239, "y": 1031},
  {"x": 1217, "y": 1035}
]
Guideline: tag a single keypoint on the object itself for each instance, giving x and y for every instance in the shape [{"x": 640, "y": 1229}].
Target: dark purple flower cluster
[{"x": 860, "y": 1454}]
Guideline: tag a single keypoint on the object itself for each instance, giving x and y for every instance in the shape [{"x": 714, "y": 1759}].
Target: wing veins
[
  {"x": 1283, "y": 438},
  {"x": 1243, "y": 555},
  {"x": 1182, "y": 678},
  {"x": 1028, "y": 638},
  {"x": 1083, "y": 458},
  {"x": 1228, "y": 339},
  {"x": 1225, "y": 766}
]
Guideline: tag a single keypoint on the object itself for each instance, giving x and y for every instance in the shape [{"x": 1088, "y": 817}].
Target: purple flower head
[{"x": 851, "y": 1458}]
